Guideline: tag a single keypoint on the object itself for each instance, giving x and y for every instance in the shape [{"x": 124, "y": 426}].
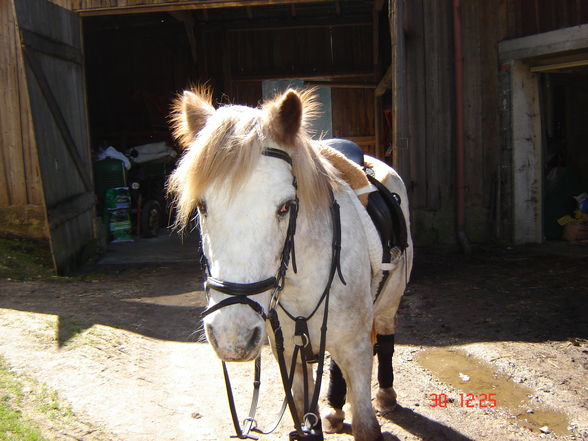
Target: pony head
[{"x": 243, "y": 198}]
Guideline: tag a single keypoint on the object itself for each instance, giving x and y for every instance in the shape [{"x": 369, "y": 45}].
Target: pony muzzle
[{"x": 235, "y": 334}]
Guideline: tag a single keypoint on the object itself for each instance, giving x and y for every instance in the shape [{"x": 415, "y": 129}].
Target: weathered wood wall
[
  {"x": 353, "y": 116},
  {"x": 430, "y": 88},
  {"x": 21, "y": 195},
  {"x": 428, "y": 156},
  {"x": 527, "y": 17},
  {"x": 51, "y": 44},
  {"x": 428, "y": 159},
  {"x": 102, "y": 7},
  {"x": 130, "y": 57}
]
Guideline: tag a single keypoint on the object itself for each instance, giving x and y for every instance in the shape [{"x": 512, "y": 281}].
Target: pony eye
[
  {"x": 202, "y": 208},
  {"x": 284, "y": 209}
]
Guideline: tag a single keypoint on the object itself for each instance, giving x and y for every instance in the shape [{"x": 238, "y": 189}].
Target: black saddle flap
[
  {"x": 384, "y": 209},
  {"x": 383, "y": 205}
]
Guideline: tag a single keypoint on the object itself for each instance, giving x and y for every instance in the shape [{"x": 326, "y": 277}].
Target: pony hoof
[
  {"x": 386, "y": 399},
  {"x": 333, "y": 420}
]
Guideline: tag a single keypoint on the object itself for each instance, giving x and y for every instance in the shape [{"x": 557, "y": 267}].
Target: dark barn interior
[{"x": 137, "y": 63}]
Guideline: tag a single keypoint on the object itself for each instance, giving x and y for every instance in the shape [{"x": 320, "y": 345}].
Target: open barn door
[{"x": 51, "y": 41}]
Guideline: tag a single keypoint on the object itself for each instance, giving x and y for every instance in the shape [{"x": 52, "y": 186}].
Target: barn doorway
[
  {"x": 565, "y": 137},
  {"x": 135, "y": 64}
]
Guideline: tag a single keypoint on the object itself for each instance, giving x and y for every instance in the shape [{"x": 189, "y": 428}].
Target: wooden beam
[
  {"x": 309, "y": 23},
  {"x": 399, "y": 93},
  {"x": 385, "y": 83},
  {"x": 378, "y": 126},
  {"x": 187, "y": 18},
  {"x": 340, "y": 85},
  {"x": 53, "y": 48},
  {"x": 35, "y": 65},
  {"x": 70, "y": 209},
  {"x": 302, "y": 75},
  {"x": 557, "y": 66},
  {"x": 124, "y": 8}
]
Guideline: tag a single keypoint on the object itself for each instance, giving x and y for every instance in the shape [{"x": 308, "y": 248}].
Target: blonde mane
[{"x": 226, "y": 150}]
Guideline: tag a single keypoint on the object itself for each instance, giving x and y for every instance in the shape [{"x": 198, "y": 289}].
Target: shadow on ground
[
  {"x": 532, "y": 294},
  {"x": 497, "y": 294},
  {"x": 421, "y": 426}
]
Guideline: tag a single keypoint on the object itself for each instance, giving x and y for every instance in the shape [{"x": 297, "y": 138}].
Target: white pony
[{"x": 244, "y": 200}]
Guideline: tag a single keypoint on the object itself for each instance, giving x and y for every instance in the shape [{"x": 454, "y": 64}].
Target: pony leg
[
  {"x": 357, "y": 370},
  {"x": 334, "y": 416},
  {"x": 386, "y": 396}
]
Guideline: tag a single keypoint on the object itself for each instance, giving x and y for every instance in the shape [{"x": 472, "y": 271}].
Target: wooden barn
[
  {"x": 490, "y": 99},
  {"x": 475, "y": 102}
]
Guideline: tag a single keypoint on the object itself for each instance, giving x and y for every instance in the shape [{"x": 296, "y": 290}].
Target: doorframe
[{"x": 525, "y": 125}]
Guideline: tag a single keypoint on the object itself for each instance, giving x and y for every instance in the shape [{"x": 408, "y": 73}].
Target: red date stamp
[{"x": 464, "y": 400}]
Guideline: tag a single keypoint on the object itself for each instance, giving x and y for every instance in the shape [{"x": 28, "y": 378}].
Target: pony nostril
[{"x": 255, "y": 337}]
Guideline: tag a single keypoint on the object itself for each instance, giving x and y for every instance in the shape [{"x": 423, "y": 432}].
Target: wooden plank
[
  {"x": 53, "y": 104},
  {"x": 490, "y": 123},
  {"x": 282, "y": 24},
  {"x": 51, "y": 47},
  {"x": 69, "y": 240},
  {"x": 300, "y": 74},
  {"x": 8, "y": 101},
  {"x": 378, "y": 127},
  {"x": 11, "y": 187},
  {"x": 385, "y": 83},
  {"x": 86, "y": 7},
  {"x": 443, "y": 166},
  {"x": 474, "y": 151},
  {"x": 357, "y": 126},
  {"x": 339, "y": 85},
  {"x": 413, "y": 112},
  {"x": 70, "y": 208},
  {"x": 399, "y": 96},
  {"x": 37, "y": 16},
  {"x": 439, "y": 166},
  {"x": 56, "y": 92}
]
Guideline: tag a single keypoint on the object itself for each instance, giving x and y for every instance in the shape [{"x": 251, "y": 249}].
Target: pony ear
[
  {"x": 285, "y": 116},
  {"x": 190, "y": 112},
  {"x": 290, "y": 113}
]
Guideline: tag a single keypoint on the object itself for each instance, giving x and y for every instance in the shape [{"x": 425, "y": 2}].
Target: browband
[{"x": 276, "y": 153}]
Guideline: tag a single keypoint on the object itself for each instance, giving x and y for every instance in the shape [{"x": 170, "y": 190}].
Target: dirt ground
[{"x": 123, "y": 346}]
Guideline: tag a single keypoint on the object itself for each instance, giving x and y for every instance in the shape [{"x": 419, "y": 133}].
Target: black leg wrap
[
  {"x": 384, "y": 351},
  {"x": 337, "y": 387}
]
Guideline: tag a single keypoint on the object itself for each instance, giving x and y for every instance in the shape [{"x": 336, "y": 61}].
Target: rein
[{"x": 310, "y": 428}]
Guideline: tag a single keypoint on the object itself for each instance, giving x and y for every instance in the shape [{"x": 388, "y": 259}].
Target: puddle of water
[{"x": 454, "y": 367}]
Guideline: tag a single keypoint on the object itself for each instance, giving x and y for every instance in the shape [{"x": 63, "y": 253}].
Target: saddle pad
[{"x": 349, "y": 171}]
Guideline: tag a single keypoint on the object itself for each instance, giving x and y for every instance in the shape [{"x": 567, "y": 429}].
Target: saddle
[{"x": 382, "y": 205}]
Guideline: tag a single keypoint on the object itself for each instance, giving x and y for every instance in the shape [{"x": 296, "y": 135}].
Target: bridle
[
  {"x": 240, "y": 292},
  {"x": 310, "y": 428}
]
